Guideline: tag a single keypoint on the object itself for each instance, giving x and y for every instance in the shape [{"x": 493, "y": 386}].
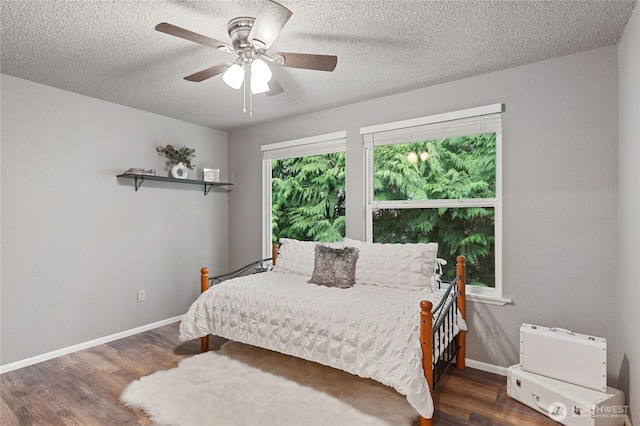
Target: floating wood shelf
[{"x": 138, "y": 179}]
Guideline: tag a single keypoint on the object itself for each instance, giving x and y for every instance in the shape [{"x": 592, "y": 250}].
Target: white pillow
[
  {"x": 406, "y": 266},
  {"x": 297, "y": 257}
]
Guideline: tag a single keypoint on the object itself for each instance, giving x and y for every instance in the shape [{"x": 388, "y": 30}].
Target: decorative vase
[{"x": 180, "y": 171}]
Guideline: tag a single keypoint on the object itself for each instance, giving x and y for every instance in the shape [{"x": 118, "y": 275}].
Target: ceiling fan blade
[
  {"x": 306, "y": 61},
  {"x": 271, "y": 19},
  {"x": 191, "y": 36},
  {"x": 208, "y": 72}
]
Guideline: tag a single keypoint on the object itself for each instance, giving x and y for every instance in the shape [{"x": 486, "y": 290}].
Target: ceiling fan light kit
[
  {"x": 258, "y": 86},
  {"x": 250, "y": 39},
  {"x": 234, "y": 76},
  {"x": 261, "y": 70}
]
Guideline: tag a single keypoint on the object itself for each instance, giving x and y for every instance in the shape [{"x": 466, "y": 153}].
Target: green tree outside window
[{"x": 309, "y": 199}]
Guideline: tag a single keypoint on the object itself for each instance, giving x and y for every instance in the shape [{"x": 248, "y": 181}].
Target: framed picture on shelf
[{"x": 211, "y": 175}]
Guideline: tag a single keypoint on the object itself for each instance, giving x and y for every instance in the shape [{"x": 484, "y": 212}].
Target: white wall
[
  {"x": 629, "y": 214},
  {"x": 560, "y": 190},
  {"x": 77, "y": 243}
]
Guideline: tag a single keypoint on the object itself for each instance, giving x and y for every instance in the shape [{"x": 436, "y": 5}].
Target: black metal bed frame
[
  {"x": 262, "y": 265},
  {"x": 445, "y": 319}
]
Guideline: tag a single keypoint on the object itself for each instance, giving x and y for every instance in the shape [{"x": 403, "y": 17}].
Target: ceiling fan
[{"x": 250, "y": 40}]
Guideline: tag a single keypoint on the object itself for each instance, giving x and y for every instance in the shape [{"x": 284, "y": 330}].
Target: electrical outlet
[{"x": 140, "y": 295}]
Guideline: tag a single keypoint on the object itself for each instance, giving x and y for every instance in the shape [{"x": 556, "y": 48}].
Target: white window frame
[
  {"x": 314, "y": 145},
  {"x": 486, "y": 119}
]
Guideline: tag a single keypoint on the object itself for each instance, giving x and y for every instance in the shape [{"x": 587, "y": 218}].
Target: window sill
[{"x": 486, "y": 299}]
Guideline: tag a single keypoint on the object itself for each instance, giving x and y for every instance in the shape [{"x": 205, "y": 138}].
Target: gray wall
[
  {"x": 560, "y": 190},
  {"x": 77, "y": 243},
  {"x": 629, "y": 214}
]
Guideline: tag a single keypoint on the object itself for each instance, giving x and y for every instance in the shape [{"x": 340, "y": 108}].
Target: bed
[{"x": 375, "y": 310}]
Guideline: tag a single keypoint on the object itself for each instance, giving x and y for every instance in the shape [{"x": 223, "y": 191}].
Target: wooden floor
[{"x": 83, "y": 388}]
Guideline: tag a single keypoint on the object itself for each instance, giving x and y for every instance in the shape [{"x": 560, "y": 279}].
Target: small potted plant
[{"x": 179, "y": 160}]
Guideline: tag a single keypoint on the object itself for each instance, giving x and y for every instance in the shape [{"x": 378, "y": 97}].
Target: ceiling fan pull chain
[
  {"x": 244, "y": 96},
  {"x": 250, "y": 103}
]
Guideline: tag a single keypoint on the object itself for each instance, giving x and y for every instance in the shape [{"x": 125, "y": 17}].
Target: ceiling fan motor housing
[{"x": 239, "y": 30}]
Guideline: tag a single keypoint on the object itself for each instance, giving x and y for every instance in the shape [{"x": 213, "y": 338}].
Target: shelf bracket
[
  {"x": 138, "y": 184},
  {"x": 207, "y": 188}
]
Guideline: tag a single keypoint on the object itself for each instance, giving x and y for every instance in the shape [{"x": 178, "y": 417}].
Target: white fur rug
[{"x": 244, "y": 385}]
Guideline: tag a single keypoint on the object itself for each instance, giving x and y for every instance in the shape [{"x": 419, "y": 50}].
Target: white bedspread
[{"x": 368, "y": 331}]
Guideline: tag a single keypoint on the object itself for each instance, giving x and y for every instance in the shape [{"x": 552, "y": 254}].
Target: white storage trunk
[
  {"x": 564, "y": 402},
  {"x": 564, "y": 355}
]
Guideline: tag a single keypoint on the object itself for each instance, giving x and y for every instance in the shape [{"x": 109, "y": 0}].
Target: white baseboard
[
  {"x": 483, "y": 366},
  {"x": 86, "y": 345}
]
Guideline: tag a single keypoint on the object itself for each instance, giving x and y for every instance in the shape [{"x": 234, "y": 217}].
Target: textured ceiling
[{"x": 110, "y": 50}]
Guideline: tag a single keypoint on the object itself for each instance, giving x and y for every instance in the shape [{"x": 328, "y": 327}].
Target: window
[
  {"x": 304, "y": 190},
  {"x": 438, "y": 179}
]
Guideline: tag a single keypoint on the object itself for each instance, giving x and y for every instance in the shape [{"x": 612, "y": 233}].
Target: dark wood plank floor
[{"x": 83, "y": 388}]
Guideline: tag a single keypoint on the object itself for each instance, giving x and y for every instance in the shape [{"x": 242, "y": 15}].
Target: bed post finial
[
  {"x": 204, "y": 286},
  {"x": 204, "y": 280},
  {"x": 461, "y": 271},
  {"x": 426, "y": 342}
]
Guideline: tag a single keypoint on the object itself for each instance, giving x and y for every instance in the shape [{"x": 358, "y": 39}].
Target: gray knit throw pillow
[{"x": 334, "y": 267}]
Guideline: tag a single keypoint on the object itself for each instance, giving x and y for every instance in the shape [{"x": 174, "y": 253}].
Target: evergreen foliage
[
  {"x": 462, "y": 167},
  {"x": 308, "y": 199}
]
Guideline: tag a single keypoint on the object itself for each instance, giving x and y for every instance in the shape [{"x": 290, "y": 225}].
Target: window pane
[
  {"x": 308, "y": 198},
  {"x": 458, "y": 231},
  {"x": 438, "y": 169}
]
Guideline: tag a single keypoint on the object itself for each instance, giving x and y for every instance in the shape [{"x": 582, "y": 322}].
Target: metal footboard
[{"x": 445, "y": 344}]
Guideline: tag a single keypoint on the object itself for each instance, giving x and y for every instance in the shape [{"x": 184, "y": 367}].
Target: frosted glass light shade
[
  {"x": 258, "y": 85},
  {"x": 234, "y": 76},
  {"x": 260, "y": 70}
]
